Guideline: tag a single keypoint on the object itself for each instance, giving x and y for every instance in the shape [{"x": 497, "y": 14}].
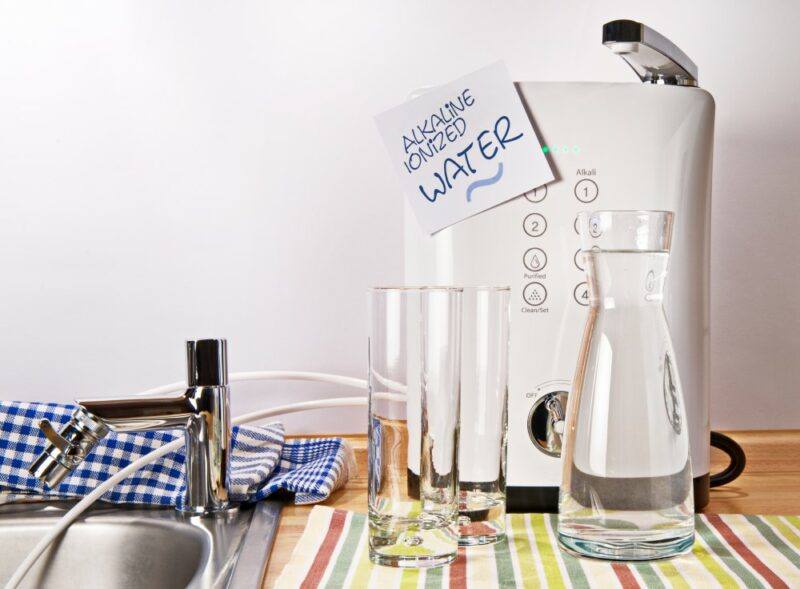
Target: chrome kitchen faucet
[{"x": 203, "y": 412}]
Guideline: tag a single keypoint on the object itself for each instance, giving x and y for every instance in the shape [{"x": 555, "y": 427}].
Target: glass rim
[
  {"x": 478, "y": 288},
  {"x": 414, "y": 288},
  {"x": 488, "y": 287},
  {"x": 589, "y": 213}
]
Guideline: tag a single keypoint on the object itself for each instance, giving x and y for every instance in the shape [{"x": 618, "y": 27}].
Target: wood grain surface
[{"x": 769, "y": 485}]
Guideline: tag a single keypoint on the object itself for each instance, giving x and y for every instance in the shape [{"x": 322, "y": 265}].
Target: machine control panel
[
  {"x": 554, "y": 290},
  {"x": 566, "y": 199}
]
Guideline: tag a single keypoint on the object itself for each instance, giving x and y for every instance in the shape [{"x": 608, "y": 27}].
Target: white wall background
[{"x": 178, "y": 169}]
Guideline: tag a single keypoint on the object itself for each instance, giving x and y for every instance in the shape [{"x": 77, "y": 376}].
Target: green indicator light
[
  {"x": 545, "y": 149},
  {"x": 576, "y": 149}
]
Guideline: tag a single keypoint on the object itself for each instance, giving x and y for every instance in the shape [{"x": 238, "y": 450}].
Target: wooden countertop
[{"x": 769, "y": 485}]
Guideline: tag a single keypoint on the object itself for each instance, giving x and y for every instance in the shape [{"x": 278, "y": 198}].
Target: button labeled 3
[
  {"x": 578, "y": 258},
  {"x": 535, "y": 259},
  {"x": 534, "y": 225},
  {"x": 534, "y": 294}
]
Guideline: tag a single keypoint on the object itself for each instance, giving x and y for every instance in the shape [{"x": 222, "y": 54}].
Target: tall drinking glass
[
  {"x": 414, "y": 385},
  {"x": 484, "y": 390}
]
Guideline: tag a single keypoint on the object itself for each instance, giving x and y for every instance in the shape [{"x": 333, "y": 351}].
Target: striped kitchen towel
[
  {"x": 730, "y": 551},
  {"x": 263, "y": 462}
]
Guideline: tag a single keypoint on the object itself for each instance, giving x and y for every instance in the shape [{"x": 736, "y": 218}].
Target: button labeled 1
[
  {"x": 534, "y": 294},
  {"x": 586, "y": 190},
  {"x": 534, "y": 225},
  {"x": 537, "y": 194},
  {"x": 535, "y": 259}
]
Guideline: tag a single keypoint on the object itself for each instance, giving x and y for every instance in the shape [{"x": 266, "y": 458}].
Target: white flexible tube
[
  {"x": 347, "y": 381},
  {"x": 101, "y": 489}
]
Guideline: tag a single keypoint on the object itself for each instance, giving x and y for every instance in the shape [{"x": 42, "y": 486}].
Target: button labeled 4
[{"x": 581, "y": 294}]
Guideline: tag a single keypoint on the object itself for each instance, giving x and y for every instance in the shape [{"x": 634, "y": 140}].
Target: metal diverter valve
[
  {"x": 546, "y": 422},
  {"x": 68, "y": 448}
]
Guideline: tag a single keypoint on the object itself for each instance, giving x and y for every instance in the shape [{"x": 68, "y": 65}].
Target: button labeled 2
[{"x": 534, "y": 225}]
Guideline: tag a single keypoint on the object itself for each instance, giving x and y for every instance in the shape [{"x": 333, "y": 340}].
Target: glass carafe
[{"x": 627, "y": 483}]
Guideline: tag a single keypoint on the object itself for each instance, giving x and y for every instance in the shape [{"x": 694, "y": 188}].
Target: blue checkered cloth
[{"x": 263, "y": 462}]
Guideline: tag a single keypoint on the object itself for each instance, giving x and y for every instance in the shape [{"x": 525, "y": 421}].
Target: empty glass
[
  {"x": 414, "y": 379},
  {"x": 627, "y": 483},
  {"x": 484, "y": 389}
]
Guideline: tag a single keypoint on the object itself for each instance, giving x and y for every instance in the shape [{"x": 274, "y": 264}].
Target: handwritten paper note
[{"x": 464, "y": 147}]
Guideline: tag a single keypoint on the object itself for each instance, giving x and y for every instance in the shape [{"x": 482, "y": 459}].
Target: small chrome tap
[{"x": 203, "y": 412}]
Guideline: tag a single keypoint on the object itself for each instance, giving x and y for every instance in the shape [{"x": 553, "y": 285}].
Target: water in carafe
[{"x": 627, "y": 480}]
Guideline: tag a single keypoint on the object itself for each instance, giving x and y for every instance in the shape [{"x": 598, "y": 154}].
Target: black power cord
[{"x": 736, "y": 455}]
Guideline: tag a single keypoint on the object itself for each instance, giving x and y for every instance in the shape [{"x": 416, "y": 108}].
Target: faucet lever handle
[{"x": 54, "y": 437}]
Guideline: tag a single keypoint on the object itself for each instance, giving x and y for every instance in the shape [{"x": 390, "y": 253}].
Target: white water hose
[
  {"x": 121, "y": 475},
  {"x": 347, "y": 381}
]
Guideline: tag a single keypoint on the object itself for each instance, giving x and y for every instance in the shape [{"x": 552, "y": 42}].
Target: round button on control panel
[
  {"x": 578, "y": 258},
  {"x": 534, "y": 294},
  {"x": 581, "y": 294},
  {"x": 595, "y": 226},
  {"x": 586, "y": 190},
  {"x": 535, "y": 259},
  {"x": 534, "y": 225},
  {"x": 537, "y": 194}
]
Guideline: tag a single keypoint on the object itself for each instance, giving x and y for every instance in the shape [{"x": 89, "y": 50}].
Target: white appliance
[{"x": 611, "y": 146}]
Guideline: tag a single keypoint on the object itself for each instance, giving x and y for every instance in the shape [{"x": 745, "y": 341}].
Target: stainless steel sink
[{"x": 136, "y": 547}]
